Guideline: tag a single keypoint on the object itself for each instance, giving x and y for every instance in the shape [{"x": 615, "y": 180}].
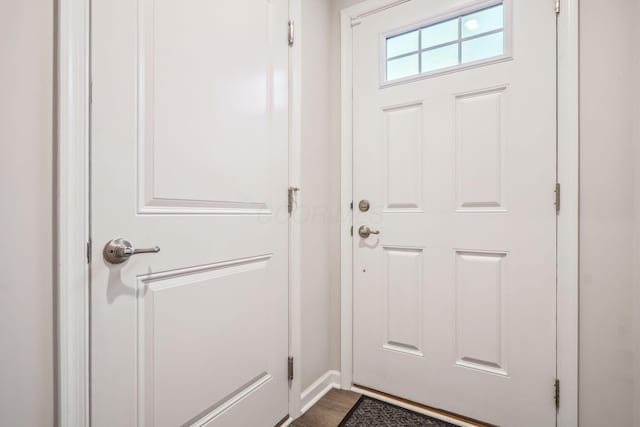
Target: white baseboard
[
  {"x": 286, "y": 423},
  {"x": 320, "y": 387}
]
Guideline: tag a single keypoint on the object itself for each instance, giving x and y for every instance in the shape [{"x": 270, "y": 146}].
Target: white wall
[
  {"x": 334, "y": 170},
  {"x": 609, "y": 87},
  {"x": 318, "y": 261},
  {"x": 26, "y": 183},
  {"x": 318, "y": 33}
]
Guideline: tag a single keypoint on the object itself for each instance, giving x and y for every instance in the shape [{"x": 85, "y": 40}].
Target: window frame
[{"x": 477, "y": 6}]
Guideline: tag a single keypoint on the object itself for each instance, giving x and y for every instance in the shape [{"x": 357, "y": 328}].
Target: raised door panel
[
  {"x": 209, "y": 91},
  {"x": 403, "y": 300},
  {"x": 403, "y": 146},
  {"x": 480, "y": 146},
  {"x": 197, "y": 358},
  {"x": 480, "y": 319}
]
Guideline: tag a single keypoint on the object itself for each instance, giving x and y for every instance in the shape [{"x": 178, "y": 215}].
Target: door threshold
[{"x": 419, "y": 408}]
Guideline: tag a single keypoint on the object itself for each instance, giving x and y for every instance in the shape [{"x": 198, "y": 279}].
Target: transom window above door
[{"x": 467, "y": 39}]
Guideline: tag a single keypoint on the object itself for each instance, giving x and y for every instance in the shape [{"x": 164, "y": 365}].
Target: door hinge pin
[
  {"x": 556, "y": 393},
  {"x": 290, "y": 194},
  {"x": 291, "y": 33},
  {"x": 290, "y": 368},
  {"x": 89, "y": 251},
  {"x": 557, "y": 7},
  {"x": 557, "y": 198}
]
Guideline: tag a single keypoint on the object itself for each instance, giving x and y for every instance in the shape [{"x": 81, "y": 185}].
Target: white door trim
[
  {"x": 72, "y": 219},
  {"x": 568, "y": 219},
  {"x": 72, "y": 212}
]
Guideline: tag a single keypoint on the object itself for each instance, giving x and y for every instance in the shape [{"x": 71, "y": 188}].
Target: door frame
[
  {"x": 567, "y": 264},
  {"x": 295, "y": 220},
  {"x": 72, "y": 220}
]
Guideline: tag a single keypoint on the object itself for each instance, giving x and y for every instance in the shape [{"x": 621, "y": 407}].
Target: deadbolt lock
[{"x": 364, "y": 205}]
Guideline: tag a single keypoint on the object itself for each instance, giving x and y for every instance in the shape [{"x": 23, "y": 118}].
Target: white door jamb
[
  {"x": 295, "y": 148},
  {"x": 568, "y": 254}
]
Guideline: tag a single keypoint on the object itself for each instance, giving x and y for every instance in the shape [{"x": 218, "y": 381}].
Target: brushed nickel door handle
[
  {"x": 365, "y": 231},
  {"x": 118, "y": 251}
]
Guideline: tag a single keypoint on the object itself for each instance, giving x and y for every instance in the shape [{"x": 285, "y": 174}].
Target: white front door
[
  {"x": 189, "y": 153},
  {"x": 455, "y": 149}
]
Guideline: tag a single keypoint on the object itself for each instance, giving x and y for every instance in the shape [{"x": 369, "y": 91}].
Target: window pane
[
  {"x": 442, "y": 57},
  {"x": 402, "y": 44},
  {"x": 483, "y": 21},
  {"x": 483, "y": 47},
  {"x": 440, "y": 33},
  {"x": 402, "y": 67}
]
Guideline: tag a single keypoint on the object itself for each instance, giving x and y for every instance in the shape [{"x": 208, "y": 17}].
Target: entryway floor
[
  {"x": 329, "y": 410},
  {"x": 334, "y": 406}
]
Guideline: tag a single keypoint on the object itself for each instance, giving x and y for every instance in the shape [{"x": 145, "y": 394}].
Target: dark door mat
[{"x": 368, "y": 412}]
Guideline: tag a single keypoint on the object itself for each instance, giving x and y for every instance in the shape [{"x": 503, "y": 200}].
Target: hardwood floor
[{"x": 329, "y": 410}]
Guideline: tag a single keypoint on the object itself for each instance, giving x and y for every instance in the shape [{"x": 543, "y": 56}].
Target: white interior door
[
  {"x": 455, "y": 149},
  {"x": 189, "y": 153}
]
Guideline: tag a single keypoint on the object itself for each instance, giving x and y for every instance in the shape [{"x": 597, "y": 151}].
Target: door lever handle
[
  {"x": 118, "y": 251},
  {"x": 365, "y": 231}
]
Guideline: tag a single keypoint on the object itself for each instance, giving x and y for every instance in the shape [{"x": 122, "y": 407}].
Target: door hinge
[
  {"x": 557, "y": 7},
  {"x": 89, "y": 251},
  {"x": 291, "y": 192},
  {"x": 352, "y": 230},
  {"x": 291, "y": 32},
  {"x": 556, "y": 393},
  {"x": 557, "y": 198},
  {"x": 290, "y": 368}
]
